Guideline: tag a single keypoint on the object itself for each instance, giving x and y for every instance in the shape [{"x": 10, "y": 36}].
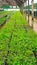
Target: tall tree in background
[
  {"x": 28, "y": 11},
  {"x": 32, "y": 12},
  {"x": 22, "y": 8}
]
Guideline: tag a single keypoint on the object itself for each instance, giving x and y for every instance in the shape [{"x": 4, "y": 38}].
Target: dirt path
[{"x": 34, "y": 24}]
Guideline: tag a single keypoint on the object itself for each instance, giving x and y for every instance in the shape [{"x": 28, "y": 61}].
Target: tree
[
  {"x": 32, "y": 12},
  {"x": 22, "y": 8},
  {"x": 28, "y": 11}
]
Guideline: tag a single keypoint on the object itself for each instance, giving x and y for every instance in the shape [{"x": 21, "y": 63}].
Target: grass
[{"x": 19, "y": 40}]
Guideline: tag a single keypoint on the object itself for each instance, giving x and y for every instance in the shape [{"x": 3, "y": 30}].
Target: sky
[{"x": 35, "y": 1}]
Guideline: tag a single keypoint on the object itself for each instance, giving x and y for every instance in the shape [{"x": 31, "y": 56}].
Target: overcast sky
[{"x": 35, "y": 1}]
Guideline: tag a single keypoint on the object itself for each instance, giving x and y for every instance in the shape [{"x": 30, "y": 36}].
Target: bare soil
[{"x": 34, "y": 23}]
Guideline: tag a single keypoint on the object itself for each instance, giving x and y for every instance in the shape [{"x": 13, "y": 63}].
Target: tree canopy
[{"x": 18, "y": 2}]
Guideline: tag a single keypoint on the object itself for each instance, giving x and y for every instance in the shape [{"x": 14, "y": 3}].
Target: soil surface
[{"x": 34, "y": 23}]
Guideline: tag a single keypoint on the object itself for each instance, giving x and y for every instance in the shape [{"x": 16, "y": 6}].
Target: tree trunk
[
  {"x": 28, "y": 11},
  {"x": 22, "y": 8},
  {"x": 32, "y": 12}
]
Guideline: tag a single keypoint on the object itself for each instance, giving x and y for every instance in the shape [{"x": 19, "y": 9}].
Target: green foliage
[
  {"x": 5, "y": 7},
  {"x": 3, "y": 16},
  {"x": 21, "y": 39},
  {"x": 35, "y": 6},
  {"x": 2, "y": 20}
]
